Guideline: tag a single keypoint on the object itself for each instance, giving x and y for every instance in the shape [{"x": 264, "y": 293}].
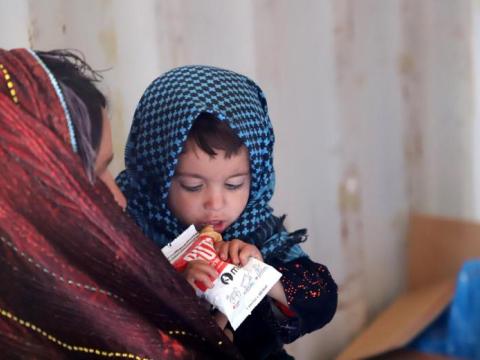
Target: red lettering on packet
[{"x": 201, "y": 249}]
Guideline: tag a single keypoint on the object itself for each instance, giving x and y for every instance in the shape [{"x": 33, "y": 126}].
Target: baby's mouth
[{"x": 218, "y": 225}]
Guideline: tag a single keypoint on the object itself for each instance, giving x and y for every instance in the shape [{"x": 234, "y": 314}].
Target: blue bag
[{"x": 456, "y": 332}]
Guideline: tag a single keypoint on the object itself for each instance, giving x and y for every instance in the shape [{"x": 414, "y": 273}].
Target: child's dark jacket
[{"x": 312, "y": 297}]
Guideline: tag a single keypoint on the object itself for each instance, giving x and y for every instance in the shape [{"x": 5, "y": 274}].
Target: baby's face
[{"x": 210, "y": 190}]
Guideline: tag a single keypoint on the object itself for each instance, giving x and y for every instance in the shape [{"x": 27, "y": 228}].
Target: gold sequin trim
[
  {"x": 56, "y": 276},
  {"x": 83, "y": 349},
  {"x": 10, "y": 86}
]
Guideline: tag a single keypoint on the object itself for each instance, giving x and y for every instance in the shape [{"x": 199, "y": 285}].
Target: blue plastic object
[{"x": 456, "y": 332}]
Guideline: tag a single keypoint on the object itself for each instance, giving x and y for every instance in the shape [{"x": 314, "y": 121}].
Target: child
[{"x": 200, "y": 151}]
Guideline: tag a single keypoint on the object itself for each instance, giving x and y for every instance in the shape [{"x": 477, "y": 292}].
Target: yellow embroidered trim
[
  {"x": 53, "y": 339},
  {"x": 58, "y": 276},
  {"x": 86, "y": 287},
  {"x": 10, "y": 87}
]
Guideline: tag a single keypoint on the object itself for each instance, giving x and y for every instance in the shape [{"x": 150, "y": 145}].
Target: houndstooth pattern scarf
[{"x": 159, "y": 130}]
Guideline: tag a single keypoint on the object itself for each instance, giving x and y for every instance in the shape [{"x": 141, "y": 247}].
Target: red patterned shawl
[{"x": 77, "y": 278}]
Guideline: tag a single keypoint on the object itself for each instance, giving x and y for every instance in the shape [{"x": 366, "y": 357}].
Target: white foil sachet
[{"x": 236, "y": 290}]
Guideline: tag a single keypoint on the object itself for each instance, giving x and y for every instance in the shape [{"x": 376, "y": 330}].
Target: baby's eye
[
  {"x": 232, "y": 186},
  {"x": 191, "y": 188}
]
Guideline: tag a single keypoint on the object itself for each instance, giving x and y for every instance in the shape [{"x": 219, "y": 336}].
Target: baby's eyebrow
[
  {"x": 197, "y": 176},
  {"x": 186, "y": 174},
  {"x": 240, "y": 174}
]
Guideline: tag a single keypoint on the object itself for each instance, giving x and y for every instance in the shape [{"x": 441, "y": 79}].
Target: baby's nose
[{"x": 214, "y": 200}]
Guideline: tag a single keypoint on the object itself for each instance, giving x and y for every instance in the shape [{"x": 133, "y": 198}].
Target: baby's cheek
[
  {"x": 192, "y": 212},
  {"x": 244, "y": 202}
]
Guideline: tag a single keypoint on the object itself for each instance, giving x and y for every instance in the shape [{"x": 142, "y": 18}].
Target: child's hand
[
  {"x": 199, "y": 270},
  {"x": 237, "y": 250}
]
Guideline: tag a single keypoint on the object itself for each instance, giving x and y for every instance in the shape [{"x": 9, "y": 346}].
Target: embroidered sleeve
[{"x": 311, "y": 295}]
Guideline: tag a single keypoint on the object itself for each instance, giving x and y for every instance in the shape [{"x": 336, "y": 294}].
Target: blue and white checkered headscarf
[{"x": 160, "y": 127}]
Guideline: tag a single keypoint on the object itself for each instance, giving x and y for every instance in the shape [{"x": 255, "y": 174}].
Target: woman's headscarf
[
  {"x": 77, "y": 277},
  {"x": 160, "y": 127}
]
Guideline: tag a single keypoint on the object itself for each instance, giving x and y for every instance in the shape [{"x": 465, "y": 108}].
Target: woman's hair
[
  {"x": 211, "y": 134},
  {"x": 84, "y": 101}
]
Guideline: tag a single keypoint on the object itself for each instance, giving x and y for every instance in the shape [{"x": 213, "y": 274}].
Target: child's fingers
[
  {"x": 206, "y": 269},
  {"x": 233, "y": 251},
  {"x": 201, "y": 277},
  {"x": 206, "y": 279},
  {"x": 244, "y": 255},
  {"x": 247, "y": 252},
  {"x": 222, "y": 250},
  {"x": 198, "y": 270}
]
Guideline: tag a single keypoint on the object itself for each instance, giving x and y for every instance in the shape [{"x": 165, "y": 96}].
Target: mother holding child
[{"x": 82, "y": 278}]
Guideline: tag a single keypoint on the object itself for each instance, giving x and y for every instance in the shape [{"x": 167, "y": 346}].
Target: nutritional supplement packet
[{"x": 236, "y": 290}]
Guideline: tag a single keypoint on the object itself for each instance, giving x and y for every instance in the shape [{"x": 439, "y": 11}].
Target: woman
[{"x": 82, "y": 280}]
